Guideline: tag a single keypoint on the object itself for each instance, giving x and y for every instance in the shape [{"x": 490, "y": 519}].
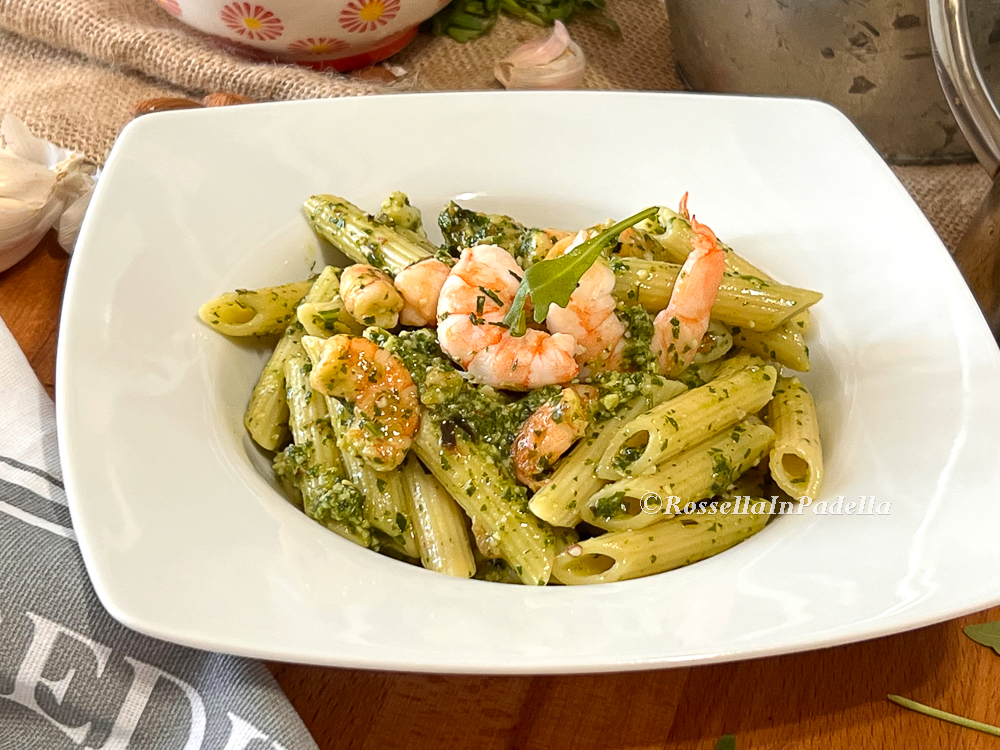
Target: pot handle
[{"x": 962, "y": 81}]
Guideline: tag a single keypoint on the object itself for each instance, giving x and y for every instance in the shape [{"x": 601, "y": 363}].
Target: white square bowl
[{"x": 186, "y": 538}]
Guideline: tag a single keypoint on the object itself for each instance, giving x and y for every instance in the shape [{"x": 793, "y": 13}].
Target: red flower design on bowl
[
  {"x": 252, "y": 21},
  {"x": 367, "y": 15}
]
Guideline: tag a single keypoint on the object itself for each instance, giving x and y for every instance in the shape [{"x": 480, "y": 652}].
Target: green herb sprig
[
  {"x": 726, "y": 742},
  {"x": 937, "y": 713},
  {"x": 553, "y": 281}
]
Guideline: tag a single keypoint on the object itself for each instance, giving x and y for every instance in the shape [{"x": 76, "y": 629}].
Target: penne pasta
[
  {"x": 784, "y": 345},
  {"x": 266, "y": 416},
  {"x": 697, "y": 474},
  {"x": 714, "y": 345},
  {"x": 796, "y": 461},
  {"x": 670, "y": 234},
  {"x": 490, "y": 499},
  {"x": 523, "y": 404},
  {"x": 316, "y": 467},
  {"x": 440, "y": 525},
  {"x": 255, "y": 312},
  {"x": 362, "y": 238},
  {"x": 672, "y": 427},
  {"x": 386, "y": 502},
  {"x": 327, "y": 317},
  {"x": 665, "y": 545},
  {"x": 574, "y": 480},
  {"x": 747, "y": 301},
  {"x": 738, "y": 361}
]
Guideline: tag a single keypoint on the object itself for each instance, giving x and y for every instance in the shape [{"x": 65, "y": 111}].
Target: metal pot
[
  {"x": 978, "y": 253},
  {"x": 869, "y": 58}
]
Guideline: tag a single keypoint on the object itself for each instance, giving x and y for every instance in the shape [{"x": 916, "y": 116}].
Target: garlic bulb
[
  {"x": 41, "y": 186},
  {"x": 553, "y": 63}
]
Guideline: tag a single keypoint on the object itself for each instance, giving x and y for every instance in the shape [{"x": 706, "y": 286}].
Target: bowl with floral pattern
[{"x": 338, "y": 34}]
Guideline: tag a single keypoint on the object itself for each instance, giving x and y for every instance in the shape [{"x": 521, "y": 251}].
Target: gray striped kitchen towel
[{"x": 71, "y": 677}]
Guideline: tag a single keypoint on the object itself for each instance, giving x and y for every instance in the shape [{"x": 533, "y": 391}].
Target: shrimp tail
[{"x": 680, "y": 326}]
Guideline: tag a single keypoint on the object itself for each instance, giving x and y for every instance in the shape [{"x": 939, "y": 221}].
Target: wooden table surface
[{"x": 825, "y": 699}]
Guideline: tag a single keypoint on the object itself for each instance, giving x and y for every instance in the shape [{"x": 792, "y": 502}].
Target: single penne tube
[
  {"x": 737, "y": 361},
  {"x": 785, "y": 345},
  {"x": 440, "y": 525},
  {"x": 386, "y": 501},
  {"x": 672, "y": 234},
  {"x": 266, "y": 416},
  {"x": 746, "y": 301},
  {"x": 695, "y": 375},
  {"x": 706, "y": 470},
  {"x": 715, "y": 344},
  {"x": 737, "y": 265},
  {"x": 324, "y": 319},
  {"x": 363, "y": 239},
  {"x": 666, "y": 545},
  {"x": 254, "y": 312},
  {"x": 796, "y": 461},
  {"x": 327, "y": 317},
  {"x": 316, "y": 467},
  {"x": 574, "y": 479},
  {"x": 681, "y": 423},
  {"x": 387, "y": 506},
  {"x": 800, "y": 322},
  {"x": 493, "y": 501}
]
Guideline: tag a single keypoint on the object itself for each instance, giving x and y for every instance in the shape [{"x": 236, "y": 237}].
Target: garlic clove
[
  {"x": 22, "y": 227},
  {"x": 542, "y": 51},
  {"x": 556, "y": 62},
  {"x": 38, "y": 183},
  {"x": 24, "y": 180}
]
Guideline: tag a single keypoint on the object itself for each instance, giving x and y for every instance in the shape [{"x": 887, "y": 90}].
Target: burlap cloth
[{"x": 73, "y": 69}]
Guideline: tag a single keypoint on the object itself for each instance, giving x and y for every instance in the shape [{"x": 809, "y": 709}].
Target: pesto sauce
[
  {"x": 619, "y": 389},
  {"x": 462, "y": 228},
  {"x": 488, "y": 417},
  {"x": 638, "y": 352},
  {"x": 326, "y": 495},
  {"x": 611, "y": 507},
  {"x": 491, "y": 419}
]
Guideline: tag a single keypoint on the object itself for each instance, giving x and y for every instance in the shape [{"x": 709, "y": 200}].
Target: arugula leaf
[
  {"x": 986, "y": 633},
  {"x": 937, "y": 713},
  {"x": 726, "y": 742},
  {"x": 554, "y": 280}
]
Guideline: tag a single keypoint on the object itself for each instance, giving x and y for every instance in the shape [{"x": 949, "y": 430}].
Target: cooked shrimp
[
  {"x": 386, "y": 403},
  {"x": 474, "y": 299},
  {"x": 369, "y": 296},
  {"x": 420, "y": 286},
  {"x": 549, "y": 432},
  {"x": 679, "y": 328},
  {"x": 590, "y": 317},
  {"x": 682, "y": 209}
]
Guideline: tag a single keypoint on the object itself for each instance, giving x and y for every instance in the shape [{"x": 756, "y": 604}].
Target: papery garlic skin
[
  {"x": 556, "y": 62},
  {"x": 35, "y": 195}
]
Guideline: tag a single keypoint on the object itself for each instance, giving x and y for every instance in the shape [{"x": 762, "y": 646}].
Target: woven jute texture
[
  {"x": 73, "y": 70},
  {"x": 130, "y": 50}
]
